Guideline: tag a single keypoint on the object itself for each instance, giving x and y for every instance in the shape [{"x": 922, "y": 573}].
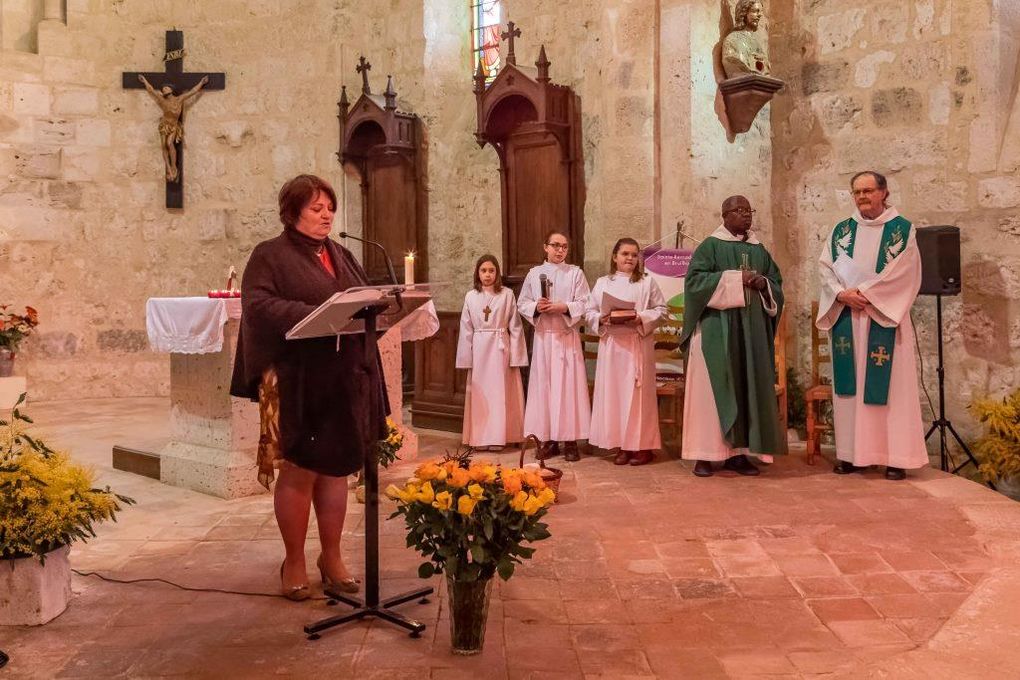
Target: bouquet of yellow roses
[{"x": 472, "y": 522}]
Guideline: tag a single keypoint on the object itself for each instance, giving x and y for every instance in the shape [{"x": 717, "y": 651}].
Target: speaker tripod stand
[{"x": 941, "y": 423}]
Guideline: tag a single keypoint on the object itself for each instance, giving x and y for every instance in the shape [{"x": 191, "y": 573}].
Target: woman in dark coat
[{"x": 322, "y": 409}]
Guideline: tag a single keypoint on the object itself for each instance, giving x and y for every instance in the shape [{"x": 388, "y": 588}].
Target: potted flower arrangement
[
  {"x": 999, "y": 447},
  {"x": 13, "y": 329},
  {"x": 47, "y": 502},
  {"x": 471, "y": 521}
]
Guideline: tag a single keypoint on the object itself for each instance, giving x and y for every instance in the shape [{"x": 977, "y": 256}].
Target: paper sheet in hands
[{"x": 850, "y": 274}]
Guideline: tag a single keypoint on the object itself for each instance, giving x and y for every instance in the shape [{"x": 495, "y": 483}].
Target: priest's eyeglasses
[
  {"x": 742, "y": 211},
  {"x": 558, "y": 246}
]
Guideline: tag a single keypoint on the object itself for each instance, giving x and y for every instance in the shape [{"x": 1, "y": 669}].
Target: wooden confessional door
[
  {"x": 391, "y": 216},
  {"x": 537, "y": 185}
]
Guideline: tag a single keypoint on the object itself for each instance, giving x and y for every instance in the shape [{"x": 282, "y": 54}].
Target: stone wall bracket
[{"x": 746, "y": 95}]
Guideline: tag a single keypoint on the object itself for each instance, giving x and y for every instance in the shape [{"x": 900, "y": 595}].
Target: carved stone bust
[{"x": 744, "y": 50}]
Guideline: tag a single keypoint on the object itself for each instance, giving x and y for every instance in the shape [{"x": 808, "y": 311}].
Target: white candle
[{"x": 409, "y": 269}]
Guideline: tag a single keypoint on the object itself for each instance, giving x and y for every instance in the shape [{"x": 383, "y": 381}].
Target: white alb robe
[
  {"x": 702, "y": 437},
  {"x": 868, "y": 434},
  {"x": 492, "y": 350},
  {"x": 557, "y": 407},
  {"x": 625, "y": 411}
]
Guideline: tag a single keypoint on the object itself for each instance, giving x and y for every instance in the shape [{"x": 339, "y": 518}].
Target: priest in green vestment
[{"x": 733, "y": 296}]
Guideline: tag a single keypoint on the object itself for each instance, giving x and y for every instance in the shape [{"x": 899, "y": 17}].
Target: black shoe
[
  {"x": 895, "y": 473},
  {"x": 548, "y": 450},
  {"x": 570, "y": 452},
  {"x": 741, "y": 465},
  {"x": 844, "y": 467},
  {"x": 703, "y": 469}
]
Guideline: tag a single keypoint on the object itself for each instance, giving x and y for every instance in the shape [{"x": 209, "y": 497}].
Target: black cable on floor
[{"x": 111, "y": 579}]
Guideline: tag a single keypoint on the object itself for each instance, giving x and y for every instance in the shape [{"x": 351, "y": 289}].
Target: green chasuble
[{"x": 738, "y": 344}]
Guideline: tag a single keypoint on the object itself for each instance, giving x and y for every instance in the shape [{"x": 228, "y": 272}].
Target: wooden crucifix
[{"x": 172, "y": 89}]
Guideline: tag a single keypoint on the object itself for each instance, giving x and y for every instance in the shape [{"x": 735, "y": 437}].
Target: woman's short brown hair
[{"x": 299, "y": 192}]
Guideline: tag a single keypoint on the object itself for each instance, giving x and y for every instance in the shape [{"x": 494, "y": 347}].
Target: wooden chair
[
  {"x": 669, "y": 390},
  {"x": 782, "y": 393},
  {"x": 820, "y": 390}
]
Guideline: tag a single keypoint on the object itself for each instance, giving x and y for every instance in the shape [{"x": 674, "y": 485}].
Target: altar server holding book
[
  {"x": 491, "y": 346},
  {"x": 553, "y": 298},
  {"x": 624, "y": 309}
]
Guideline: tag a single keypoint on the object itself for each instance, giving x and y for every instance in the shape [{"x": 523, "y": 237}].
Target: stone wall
[
  {"x": 84, "y": 236},
  {"x": 926, "y": 92}
]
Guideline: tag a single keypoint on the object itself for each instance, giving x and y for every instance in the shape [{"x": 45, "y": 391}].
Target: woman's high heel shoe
[
  {"x": 295, "y": 593},
  {"x": 343, "y": 585}
]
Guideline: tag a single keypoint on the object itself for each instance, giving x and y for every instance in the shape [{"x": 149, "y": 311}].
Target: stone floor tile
[
  {"x": 912, "y": 560},
  {"x": 860, "y": 563},
  {"x": 880, "y": 584},
  {"x": 936, "y": 581},
  {"x": 764, "y": 587},
  {"x": 872, "y": 633},
  {"x": 823, "y": 586},
  {"x": 842, "y": 609}
]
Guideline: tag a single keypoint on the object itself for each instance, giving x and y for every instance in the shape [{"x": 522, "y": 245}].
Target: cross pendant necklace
[
  {"x": 745, "y": 265},
  {"x": 487, "y": 310}
]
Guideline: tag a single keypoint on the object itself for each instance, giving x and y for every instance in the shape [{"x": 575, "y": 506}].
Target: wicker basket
[{"x": 550, "y": 475}]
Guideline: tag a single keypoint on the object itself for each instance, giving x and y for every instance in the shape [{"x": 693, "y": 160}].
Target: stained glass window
[{"x": 486, "y": 16}]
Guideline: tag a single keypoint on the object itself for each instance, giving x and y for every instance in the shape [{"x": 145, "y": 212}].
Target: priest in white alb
[
  {"x": 491, "y": 346},
  {"x": 553, "y": 298},
  {"x": 625, "y": 308},
  {"x": 870, "y": 271}
]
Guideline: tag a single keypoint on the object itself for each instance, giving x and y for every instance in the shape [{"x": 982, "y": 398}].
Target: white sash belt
[{"x": 501, "y": 332}]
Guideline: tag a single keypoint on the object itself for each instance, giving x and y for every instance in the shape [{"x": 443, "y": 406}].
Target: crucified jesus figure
[{"x": 171, "y": 125}]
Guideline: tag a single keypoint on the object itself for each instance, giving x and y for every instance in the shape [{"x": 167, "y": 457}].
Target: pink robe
[
  {"x": 558, "y": 408},
  {"x": 868, "y": 434},
  {"x": 702, "y": 437},
  {"x": 492, "y": 350},
  {"x": 625, "y": 412}
]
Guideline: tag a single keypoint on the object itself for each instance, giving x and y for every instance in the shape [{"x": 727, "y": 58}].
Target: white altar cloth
[{"x": 189, "y": 325}]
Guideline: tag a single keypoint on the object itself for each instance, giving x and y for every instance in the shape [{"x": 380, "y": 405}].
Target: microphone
[
  {"x": 386, "y": 259},
  {"x": 543, "y": 282},
  {"x": 386, "y": 256}
]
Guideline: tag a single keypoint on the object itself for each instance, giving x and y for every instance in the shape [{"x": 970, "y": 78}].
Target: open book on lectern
[{"x": 335, "y": 315}]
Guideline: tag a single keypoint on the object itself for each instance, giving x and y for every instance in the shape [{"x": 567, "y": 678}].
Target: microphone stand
[{"x": 389, "y": 265}]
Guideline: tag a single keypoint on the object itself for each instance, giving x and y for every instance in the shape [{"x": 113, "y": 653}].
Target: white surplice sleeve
[
  {"x": 578, "y": 300},
  {"x": 829, "y": 308},
  {"x": 465, "y": 339},
  {"x": 593, "y": 310},
  {"x": 654, "y": 314},
  {"x": 729, "y": 293},
  {"x": 528, "y": 302},
  {"x": 518, "y": 347},
  {"x": 892, "y": 293}
]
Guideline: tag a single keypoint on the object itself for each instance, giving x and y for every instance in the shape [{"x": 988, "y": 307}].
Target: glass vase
[{"x": 469, "y": 610}]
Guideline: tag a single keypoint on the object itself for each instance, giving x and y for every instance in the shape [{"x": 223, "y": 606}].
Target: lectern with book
[{"x": 367, "y": 310}]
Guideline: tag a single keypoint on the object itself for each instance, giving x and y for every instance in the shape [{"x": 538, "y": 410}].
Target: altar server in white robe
[
  {"x": 625, "y": 412},
  {"x": 491, "y": 346},
  {"x": 557, "y": 409},
  {"x": 870, "y": 271}
]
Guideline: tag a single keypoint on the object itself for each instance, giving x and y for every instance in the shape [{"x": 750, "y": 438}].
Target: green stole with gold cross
[{"x": 881, "y": 340}]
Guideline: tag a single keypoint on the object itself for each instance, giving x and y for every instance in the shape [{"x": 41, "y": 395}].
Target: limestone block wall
[
  {"x": 926, "y": 92},
  {"x": 84, "y": 235}
]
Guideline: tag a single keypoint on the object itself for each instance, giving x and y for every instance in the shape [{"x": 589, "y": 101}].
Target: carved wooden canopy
[
  {"x": 534, "y": 126},
  {"x": 385, "y": 148}
]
